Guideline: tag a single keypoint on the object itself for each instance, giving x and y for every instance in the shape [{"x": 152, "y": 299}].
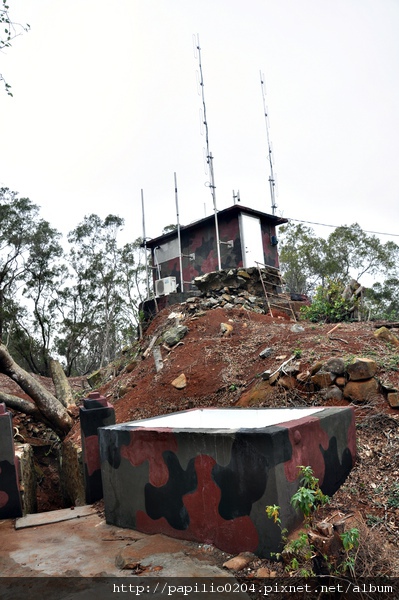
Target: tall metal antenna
[
  {"x": 272, "y": 182},
  {"x": 209, "y": 157},
  {"x": 147, "y": 278},
  {"x": 179, "y": 237}
]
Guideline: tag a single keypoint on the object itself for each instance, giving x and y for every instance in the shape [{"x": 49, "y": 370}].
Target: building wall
[
  {"x": 200, "y": 253},
  {"x": 270, "y": 250}
]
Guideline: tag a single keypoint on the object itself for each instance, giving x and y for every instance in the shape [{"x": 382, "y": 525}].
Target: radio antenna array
[
  {"x": 209, "y": 157},
  {"x": 272, "y": 182}
]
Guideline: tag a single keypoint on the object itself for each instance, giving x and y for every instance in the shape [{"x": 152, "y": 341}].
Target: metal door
[{"x": 251, "y": 241}]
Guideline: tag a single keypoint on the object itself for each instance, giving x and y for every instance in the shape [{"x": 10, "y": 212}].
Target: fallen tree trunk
[
  {"x": 48, "y": 405},
  {"x": 63, "y": 390},
  {"x": 24, "y": 406}
]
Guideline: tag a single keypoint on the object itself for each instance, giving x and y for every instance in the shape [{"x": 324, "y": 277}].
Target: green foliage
[
  {"x": 350, "y": 539},
  {"x": 307, "y": 261},
  {"x": 383, "y": 299},
  {"x": 169, "y": 228},
  {"x": 100, "y": 305},
  {"x": 301, "y": 257},
  {"x": 373, "y": 520},
  {"x": 30, "y": 275},
  {"x": 309, "y": 496},
  {"x": 393, "y": 498},
  {"x": 328, "y": 304},
  {"x": 8, "y": 31},
  {"x": 273, "y": 512},
  {"x": 307, "y": 499},
  {"x": 299, "y": 552},
  {"x": 82, "y": 305}
]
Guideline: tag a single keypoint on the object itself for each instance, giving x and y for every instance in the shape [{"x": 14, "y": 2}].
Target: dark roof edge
[{"x": 231, "y": 209}]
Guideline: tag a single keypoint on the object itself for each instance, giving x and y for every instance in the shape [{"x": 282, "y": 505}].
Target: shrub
[{"x": 328, "y": 304}]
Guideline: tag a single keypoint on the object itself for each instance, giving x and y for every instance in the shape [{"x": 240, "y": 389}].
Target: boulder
[
  {"x": 96, "y": 378},
  {"x": 265, "y": 353},
  {"x": 287, "y": 382},
  {"x": 297, "y": 328},
  {"x": 303, "y": 376},
  {"x": 239, "y": 562},
  {"x": 362, "y": 368},
  {"x": 180, "y": 382},
  {"x": 226, "y": 328},
  {"x": 172, "y": 336},
  {"x": 322, "y": 379},
  {"x": 335, "y": 365},
  {"x": 257, "y": 394},
  {"x": 393, "y": 399},
  {"x": 316, "y": 367},
  {"x": 332, "y": 393},
  {"x": 361, "y": 391},
  {"x": 384, "y": 334}
]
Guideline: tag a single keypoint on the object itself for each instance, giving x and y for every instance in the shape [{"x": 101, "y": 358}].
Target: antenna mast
[
  {"x": 272, "y": 182},
  {"x": 179, "y": 237},
  {"x": 147, "y": 278},
  {"x": 209, "y": 157}
]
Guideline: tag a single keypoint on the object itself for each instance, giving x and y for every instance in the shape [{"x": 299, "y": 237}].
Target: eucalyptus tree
[
  {"x": 133, "y": 279},
  {"x": 302, "y": 256},
  {"x": 352, "y": 252},
  {"x": 18, "y": 220},
  {"x": 91, "y": 304},
  {"x": 306, "y": 261},
  {"x": 44, "y": 276}
]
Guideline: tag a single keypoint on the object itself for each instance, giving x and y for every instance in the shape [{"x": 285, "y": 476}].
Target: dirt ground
[{"x": 221, "y": 369}]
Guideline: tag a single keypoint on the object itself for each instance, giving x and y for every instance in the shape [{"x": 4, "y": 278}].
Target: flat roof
[{"x": 221, "y": 419}]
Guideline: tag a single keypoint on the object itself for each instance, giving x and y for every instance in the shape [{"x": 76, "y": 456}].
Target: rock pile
[
  {"x": 235, "y": 288},
  {"x": 332, "y": 380}
]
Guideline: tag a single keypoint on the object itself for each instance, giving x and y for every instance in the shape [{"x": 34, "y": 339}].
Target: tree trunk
[
  {"x": 24, "y": 406},
  {"x": 63, "y": 390},
  {"x": 47, "y": 404}
]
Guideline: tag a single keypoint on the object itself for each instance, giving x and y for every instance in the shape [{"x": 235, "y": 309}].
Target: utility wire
[{"x": 342, "y": 226}]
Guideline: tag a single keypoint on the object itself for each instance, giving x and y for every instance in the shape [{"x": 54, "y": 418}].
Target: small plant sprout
[
  {"x": 350, "y": 539},
  {"x": 309, "y": 496},
  {"x": 273, "y": 512}
]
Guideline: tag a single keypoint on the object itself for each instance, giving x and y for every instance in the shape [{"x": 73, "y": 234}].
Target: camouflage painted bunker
[
  {"x": 207, "y": 475},
  {"x": 246, "y": 237}
]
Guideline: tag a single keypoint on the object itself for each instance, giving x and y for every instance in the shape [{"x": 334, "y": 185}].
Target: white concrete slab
[{"x": 223, "y": 418}]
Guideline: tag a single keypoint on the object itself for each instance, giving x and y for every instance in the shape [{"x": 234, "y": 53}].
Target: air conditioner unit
[{"x": 165, "y": 286}]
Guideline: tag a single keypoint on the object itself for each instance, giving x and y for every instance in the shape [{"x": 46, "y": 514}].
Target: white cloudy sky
[{"x": 106, "y": 103}]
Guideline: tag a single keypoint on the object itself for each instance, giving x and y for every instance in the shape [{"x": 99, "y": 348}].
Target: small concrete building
[{"x": 246, "y": 237}]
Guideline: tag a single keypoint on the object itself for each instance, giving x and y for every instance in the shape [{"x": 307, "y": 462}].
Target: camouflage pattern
[
  {"x": 198, "y": 245},
  {"x": 212, "y": 485},
  {"x": 96, "y": 412},
  {"x": 10, "y": 498}
]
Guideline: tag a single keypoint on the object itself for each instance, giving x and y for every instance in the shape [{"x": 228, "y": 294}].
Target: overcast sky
[{"x": 106, "y": 103}]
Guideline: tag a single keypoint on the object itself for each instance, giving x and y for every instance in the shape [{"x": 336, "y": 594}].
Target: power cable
[{"x": 342, "y": 226}]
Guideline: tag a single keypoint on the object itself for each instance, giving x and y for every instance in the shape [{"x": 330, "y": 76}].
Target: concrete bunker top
[{"x": 231, "y": 419}]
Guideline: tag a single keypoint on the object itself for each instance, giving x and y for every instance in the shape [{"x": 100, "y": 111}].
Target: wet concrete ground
[
  {"x": 85, "y": 559},
  {"x": 88, "y": 547}
]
